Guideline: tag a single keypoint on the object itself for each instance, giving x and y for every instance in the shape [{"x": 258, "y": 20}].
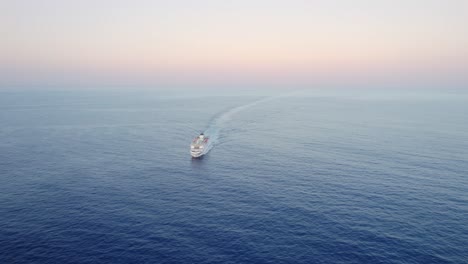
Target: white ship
[{"x": 199, "y": 146}]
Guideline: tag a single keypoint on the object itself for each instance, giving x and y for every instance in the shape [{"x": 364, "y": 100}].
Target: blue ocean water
[{"x": 306, "y": 177}]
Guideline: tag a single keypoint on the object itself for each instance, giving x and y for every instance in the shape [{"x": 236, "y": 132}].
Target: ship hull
[{"x": 197, "y": 154}]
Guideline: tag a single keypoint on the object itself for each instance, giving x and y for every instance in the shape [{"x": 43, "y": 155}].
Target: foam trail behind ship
[{"x": 216, "y": 125}]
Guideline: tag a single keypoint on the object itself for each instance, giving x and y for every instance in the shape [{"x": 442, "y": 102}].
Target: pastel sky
[{"x": 221, "y": 41}]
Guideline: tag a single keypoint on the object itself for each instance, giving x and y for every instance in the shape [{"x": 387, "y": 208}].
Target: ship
[{"x": 199, "y": 146}]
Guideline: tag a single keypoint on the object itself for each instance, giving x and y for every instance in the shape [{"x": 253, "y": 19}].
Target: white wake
[{"x": 218, "y": 123}]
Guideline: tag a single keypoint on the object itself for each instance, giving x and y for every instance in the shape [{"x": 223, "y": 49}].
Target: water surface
[{"x": 309, "y": 177}]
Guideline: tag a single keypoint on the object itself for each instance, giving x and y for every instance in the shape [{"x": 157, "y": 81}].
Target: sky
[{"x": 212, "y": 42}]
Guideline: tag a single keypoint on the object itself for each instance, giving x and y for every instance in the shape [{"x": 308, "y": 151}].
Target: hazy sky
[{"x": 216, "y": 41}]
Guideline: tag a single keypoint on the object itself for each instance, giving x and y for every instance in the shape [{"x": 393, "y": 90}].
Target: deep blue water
[{"x": 309, "y": 177}]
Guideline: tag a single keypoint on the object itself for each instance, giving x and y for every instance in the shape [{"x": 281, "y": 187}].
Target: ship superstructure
[{"x": 199, "y": 146}]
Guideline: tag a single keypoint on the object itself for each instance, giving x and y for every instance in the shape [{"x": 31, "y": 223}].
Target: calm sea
[{"x": 305, "y": 177}]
